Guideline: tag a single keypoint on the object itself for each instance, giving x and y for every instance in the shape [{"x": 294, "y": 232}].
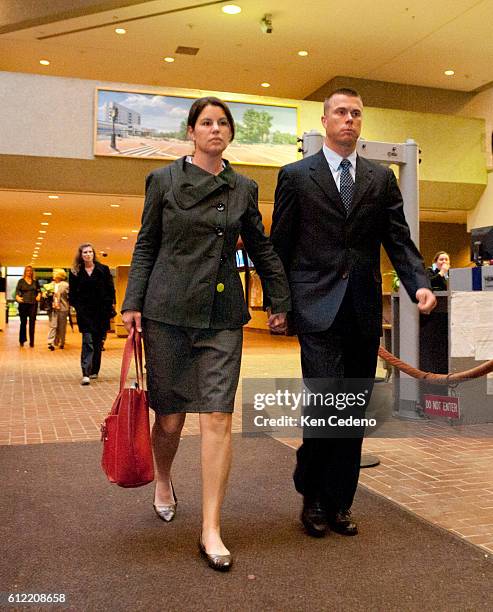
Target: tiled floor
[{"x": 442, "y": 474}]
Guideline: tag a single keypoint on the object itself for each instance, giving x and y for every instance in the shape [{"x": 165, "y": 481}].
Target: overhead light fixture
[
  {"x": 42, "y": 232},
  {"x": 264, "y": 84},
  {"x": 302, "y": 53},
  {"x": 47, "y": 214},
  {"x": 114, "y": 205},
  {"x": 38, "y": 243},
  {"x": 124, "y": 237},
  {"x": 53, "y": 197},
  {"x": 120, "y": 30},
  {"x": 231, "y": 9},
  {"x": 170, "y": 60},
  {"x": 449, "y": 72},
  {"x": 135, "y": 231},
  {"x": 44, "y": 223},
  {"x": 44, "y": 62}
]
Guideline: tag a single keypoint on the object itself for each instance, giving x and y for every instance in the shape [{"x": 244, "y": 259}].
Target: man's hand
[
  {"x": 131, "y": 318},
  {"x": 426, "y": 300},
  {"x": 277, "y": 322}
]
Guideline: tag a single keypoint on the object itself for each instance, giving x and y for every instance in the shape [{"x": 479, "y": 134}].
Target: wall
[
  {"x": 53, "y": 118},
  {"x": 451, "y": 237}
]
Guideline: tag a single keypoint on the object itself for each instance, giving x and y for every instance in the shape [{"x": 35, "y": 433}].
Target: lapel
[
  {"x": 192, "y": 185},
  {"x": 321, "y": 173},
  {"x": 364, "y": 178}
]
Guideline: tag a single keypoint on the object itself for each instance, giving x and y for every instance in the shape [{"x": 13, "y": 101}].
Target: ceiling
[
  {"x": 102, "y": 220},
  {"x": 410, "y": 42}
]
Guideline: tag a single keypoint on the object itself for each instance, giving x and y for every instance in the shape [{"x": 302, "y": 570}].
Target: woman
[
  {"x": 92, "y": 294},
  {"x": 59, "y": 310},
  {"x": 438, "y": 272},
  {"x": 27, "y": 295},
  {"x": 185, "y": 292}
]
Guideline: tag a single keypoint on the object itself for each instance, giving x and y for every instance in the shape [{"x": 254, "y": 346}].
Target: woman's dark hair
[
  {"x": 199, "y": 105},
  {"x": 78, "y": 261}
]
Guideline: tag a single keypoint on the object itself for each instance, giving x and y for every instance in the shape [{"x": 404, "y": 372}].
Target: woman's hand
[
  {"x": 277, "y": 322},
  {"x": 131, "y": 318},
  {"x": 19, "y": 298}
]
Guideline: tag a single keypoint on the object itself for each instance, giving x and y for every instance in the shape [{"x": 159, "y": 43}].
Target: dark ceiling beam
[{"x": 16, "y": 16}]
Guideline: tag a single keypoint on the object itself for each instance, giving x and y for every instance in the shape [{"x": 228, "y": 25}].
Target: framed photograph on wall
[{"x": 151, "y": 125}]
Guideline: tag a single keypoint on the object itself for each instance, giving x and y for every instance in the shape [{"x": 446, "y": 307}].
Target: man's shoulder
[
  {"x": 300, "y": 166},
  {"x": 372, "y": 165}
]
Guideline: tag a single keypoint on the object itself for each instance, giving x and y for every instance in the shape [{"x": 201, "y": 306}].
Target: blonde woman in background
[{"x": 59, "y": 311}]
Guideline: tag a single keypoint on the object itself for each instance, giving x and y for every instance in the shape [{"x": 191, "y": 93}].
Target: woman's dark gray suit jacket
[{"x": 186, "y": 250}]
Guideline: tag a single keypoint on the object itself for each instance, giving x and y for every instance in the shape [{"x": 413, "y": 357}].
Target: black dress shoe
[
  {"x": 342, "y": 523},
  {"x": 314, "y": 518},
  {"x": 220, "y": 563}
]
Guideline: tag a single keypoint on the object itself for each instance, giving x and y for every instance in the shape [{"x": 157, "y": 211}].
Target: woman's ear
[{"x": 190, "y": 134}]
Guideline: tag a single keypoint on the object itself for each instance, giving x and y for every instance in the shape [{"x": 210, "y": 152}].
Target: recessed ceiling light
[
  {"x": 40, "y": 238},
  {"x": 44, "y": 223},
  {"x": 264, "y": 84},
  {"x": 38, "y": 243},
  {"x": 115, "y": 205},
  {"x": 42, "y": 231},
  {"x": 135, "y": 231},
  {"x": 449, "y": 72},
  {"x": 124, "y": 237},
  {"x": 53, "y": 197},
  {"x": 47, "y": 214},
  {"x": 231, "y": 9},
  {"x": 170, "y": 60},
  {"x": 36, "y": 248},
  {"x": 120, "y": 31},
  {"x": 302, "y": 53},
  {"x": 44, "y": 62}
]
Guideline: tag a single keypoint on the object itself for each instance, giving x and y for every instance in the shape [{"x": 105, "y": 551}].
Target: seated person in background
[{"x": 438, "y": 273}]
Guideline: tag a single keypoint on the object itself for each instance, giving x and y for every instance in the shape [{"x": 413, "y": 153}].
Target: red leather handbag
[{"x": 127, "y": 453}]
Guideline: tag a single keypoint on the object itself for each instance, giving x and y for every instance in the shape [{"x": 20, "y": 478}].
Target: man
[{"x": 330, "y": 219}]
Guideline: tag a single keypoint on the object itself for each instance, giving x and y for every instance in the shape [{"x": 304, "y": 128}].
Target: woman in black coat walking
[{"x": 92, "y": 294}]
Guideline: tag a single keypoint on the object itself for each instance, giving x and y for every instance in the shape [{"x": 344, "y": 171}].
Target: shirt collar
[{"x": 334, "y": 159}]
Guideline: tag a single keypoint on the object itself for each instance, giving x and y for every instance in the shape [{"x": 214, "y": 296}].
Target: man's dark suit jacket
[{"x": 323, "y": 248}]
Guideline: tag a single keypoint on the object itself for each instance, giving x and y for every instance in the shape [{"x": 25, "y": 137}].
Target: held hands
[
  {"x": 426, "y": 300},
  {"x": 131, "y": 318},
  {"x": 277, "y": 322}
]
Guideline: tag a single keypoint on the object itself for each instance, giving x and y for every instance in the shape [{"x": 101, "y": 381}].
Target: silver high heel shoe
[{"x": 166, "y": 512}]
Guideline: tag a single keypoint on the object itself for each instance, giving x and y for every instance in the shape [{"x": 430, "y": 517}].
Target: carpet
[{"x": 65, "y": 529}]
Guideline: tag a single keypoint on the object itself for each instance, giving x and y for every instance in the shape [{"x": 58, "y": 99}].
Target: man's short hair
[{"x": 343, "y": 91}]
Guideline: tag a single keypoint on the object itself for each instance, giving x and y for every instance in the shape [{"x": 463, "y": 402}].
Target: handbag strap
[{"x": 133, "y": 346}]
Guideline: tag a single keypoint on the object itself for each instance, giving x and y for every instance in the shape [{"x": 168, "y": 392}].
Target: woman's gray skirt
[{"x": 190, "y": 369}]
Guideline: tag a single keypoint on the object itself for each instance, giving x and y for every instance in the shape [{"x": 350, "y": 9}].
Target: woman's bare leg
[
  {"x": 165, "y": 440},
  {"x": 215, "y": 429}
]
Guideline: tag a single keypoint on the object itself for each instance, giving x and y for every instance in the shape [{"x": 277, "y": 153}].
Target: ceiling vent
[{"x": 187, "y": 50}]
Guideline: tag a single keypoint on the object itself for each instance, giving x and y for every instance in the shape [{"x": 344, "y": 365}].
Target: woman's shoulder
[{"x": 102, "y": 267}]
